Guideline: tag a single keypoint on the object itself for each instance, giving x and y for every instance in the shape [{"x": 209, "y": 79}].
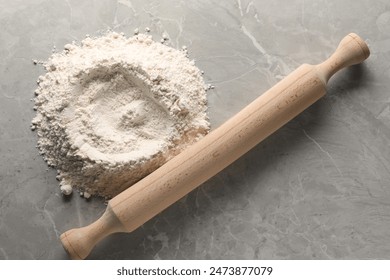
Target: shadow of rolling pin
[{"x": 179, "y": 176}]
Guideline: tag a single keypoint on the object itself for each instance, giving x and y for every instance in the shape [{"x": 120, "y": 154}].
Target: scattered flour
[
  {"x": 113, "y": 109},
  {"x": 66, "y": 189}
]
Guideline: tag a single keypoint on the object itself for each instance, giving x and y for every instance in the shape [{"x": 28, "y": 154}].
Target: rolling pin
[{"x": 222, "y": 146}]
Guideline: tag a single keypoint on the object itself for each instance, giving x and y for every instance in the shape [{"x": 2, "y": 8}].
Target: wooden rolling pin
[{"x": 148, "y": 197}]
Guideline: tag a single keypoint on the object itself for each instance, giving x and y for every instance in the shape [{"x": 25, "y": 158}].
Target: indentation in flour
[
  {"x": 119, "y": 114},
  {"x": 114, "y": 109}
]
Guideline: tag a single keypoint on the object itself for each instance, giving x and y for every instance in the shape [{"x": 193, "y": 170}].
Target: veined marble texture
[{"x": 319, "y": 188}]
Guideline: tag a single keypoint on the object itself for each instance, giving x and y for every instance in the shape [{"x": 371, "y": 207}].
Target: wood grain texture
[{"x": 217, "y": 150}]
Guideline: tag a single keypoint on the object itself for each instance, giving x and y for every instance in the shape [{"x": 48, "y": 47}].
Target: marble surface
[{"x": 319, "y": 188}]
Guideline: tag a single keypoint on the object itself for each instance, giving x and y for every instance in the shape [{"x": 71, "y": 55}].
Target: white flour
[{"x": 114, "y": 109}]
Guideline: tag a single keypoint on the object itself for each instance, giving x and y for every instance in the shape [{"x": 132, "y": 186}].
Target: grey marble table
[{"x": 319, "y": 188}]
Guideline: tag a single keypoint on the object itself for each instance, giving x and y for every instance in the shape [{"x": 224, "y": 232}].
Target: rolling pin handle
[
  {"x": 351, "y": 50},
  {"x": 78, "y": 242}
]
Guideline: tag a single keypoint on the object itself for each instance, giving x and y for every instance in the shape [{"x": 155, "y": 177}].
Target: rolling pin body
[{"x": 179, "y": 176}]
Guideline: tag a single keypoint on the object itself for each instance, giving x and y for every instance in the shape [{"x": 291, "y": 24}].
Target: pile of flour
[{"x": 113, "y": 109}]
